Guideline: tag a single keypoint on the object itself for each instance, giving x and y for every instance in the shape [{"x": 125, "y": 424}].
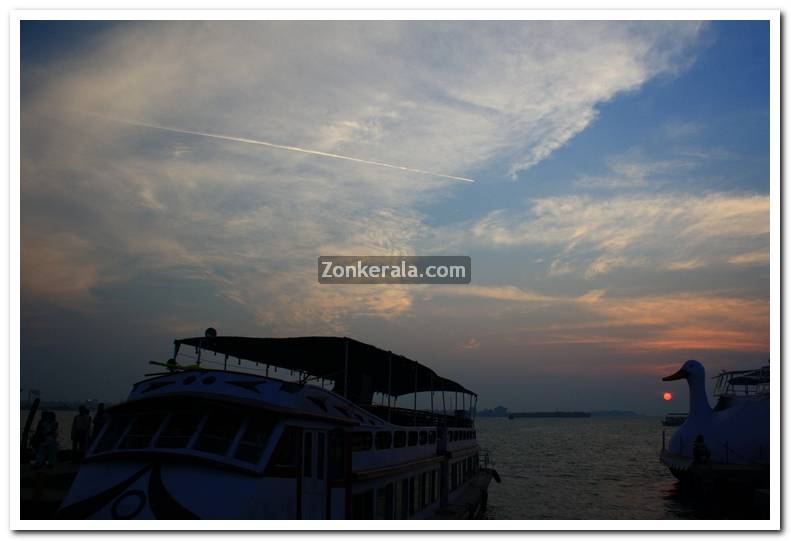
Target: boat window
[
  {"x": 423, "y": 490},
  {"x": 218, "y": 432},
  {"x": 178, "y": 430},
  {"x": 142, "y": 430},
  {"x": 285, "y": 453},
  {"x": 400, "y": 439},
  {"x": 255, "y": 438},
  {"x": 307, "y": 455},
  {"x": 400, "y": 498},
  {"x": 113, "y": 433},
  {"x": 412, "y": 438},
  {"x": 413, "y": 495},
  {"x": 384, "y": 440},
  {"x": 361, "y": 441},
  {"x": 432, "y": 437},
  {"x": 384, "y": 502},
  {"x": 320, "y": 449},
  {"x": 336, "y": 455},
  {"x": 363, "y": 506},
  {"x": 423, "y": 437}
]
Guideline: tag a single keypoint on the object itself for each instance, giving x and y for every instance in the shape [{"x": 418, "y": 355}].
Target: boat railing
[
  {"x": 742, "y": 383},
  {"x": 416, "y": 417},
  {"x": 485, "y": 460}
]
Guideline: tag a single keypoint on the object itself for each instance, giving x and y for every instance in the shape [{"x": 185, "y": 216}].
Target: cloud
[
  {"x": 452, "y": 97},
  {"x": 469, "y": 344},
  {"x": 60, "y": 268},
  {"x": 678, "y": 129},
  {"x": 689, "y": 322},
  {"x": 758, "y": 257},
  {"x": 634, "y": 170},
  {"x": 596, "y": 236},
  {"x": 643, "y": 323}
]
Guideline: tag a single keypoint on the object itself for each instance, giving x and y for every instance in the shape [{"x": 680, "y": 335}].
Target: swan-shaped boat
[{"x": 735, "y": 433}]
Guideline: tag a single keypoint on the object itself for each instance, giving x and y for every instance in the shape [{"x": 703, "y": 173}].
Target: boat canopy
[{"x": 360, "y": 367}]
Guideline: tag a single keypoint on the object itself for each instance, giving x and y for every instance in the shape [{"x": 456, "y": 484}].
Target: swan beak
[{"x": 681, "y": 374}]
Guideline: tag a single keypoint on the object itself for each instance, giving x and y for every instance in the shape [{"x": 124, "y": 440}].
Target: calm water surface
[{"x": 595, "y": 468}]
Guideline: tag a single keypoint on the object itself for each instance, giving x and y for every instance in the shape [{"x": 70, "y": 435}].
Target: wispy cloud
[
  {"x": 634, "y": 170},
  {"x": 645, "y": 323},
  {"x": 679, "y": 129},
  {"x": 596, "y": 236}
]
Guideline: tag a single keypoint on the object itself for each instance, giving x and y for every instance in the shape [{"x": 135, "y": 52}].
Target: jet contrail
[{"x": 274, "y": 145}]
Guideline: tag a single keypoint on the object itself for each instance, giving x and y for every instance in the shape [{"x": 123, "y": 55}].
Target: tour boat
[
  {"x": 310, "y": 428},
  {"x": 730, "y": 441}
]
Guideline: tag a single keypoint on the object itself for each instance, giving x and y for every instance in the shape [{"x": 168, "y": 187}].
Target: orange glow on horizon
[{"x": 668, "y": 396}]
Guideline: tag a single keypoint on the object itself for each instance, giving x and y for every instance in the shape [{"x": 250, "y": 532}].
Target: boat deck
[{"x": 471, "y": 504}]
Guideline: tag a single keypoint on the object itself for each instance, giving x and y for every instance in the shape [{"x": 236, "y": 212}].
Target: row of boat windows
[
  {"x": 364, "y": 441},
  {"x": 461, "y": 435},
  {"x": 218, "y": 431},
  {"x": 397, "y": 500},
  {"x": 406, "y": 497}
]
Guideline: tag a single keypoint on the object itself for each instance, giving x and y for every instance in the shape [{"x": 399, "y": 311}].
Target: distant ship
[
  {"x": 674, "y": 419},
  {"x": 550, "y": 414}
]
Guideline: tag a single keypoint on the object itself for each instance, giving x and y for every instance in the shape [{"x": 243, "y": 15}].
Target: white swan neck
[{"x": 698, "y": 402}]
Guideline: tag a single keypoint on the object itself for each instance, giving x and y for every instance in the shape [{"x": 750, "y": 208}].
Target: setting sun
[{"x": 668, "y": 396}]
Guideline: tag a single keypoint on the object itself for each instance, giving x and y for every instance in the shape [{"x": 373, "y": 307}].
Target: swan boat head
[{"x": 695, "y": 374}]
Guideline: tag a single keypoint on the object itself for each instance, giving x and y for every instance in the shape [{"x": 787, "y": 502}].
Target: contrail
[{"x": 275, "y": 145}]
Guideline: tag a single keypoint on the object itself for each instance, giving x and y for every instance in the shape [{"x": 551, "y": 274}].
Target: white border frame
[{"x": 773, "y": 16}]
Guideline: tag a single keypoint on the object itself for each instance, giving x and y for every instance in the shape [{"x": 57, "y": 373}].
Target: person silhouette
[
  {"x": 700, "y": 452},
  {"x": 80, "y": 433}
]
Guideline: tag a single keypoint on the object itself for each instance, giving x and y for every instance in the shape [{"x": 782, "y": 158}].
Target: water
[{"x": 595, "y": 468}]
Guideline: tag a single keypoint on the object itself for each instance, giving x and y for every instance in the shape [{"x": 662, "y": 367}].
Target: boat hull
[{"x": 687, "y": 471}]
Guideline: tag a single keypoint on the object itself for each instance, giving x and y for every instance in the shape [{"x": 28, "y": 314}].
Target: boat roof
[{"x": 328, "y": 357}]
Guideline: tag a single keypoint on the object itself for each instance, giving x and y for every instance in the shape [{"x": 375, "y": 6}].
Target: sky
[{"x": 618, "y": 224}]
